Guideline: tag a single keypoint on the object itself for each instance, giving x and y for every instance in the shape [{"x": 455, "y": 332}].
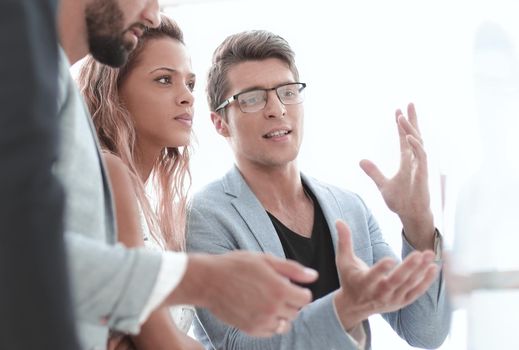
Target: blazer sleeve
[
  {"x": 110, "y": 283},
  {"x": 425, "y": 323},
  {"x": 316, "y": 327}
]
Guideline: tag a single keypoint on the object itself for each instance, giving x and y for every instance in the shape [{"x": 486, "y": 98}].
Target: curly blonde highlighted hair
[{"x": 170, "y": 176}]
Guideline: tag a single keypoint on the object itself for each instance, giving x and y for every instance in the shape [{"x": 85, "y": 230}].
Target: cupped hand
[{"x": 384, "y": 287}]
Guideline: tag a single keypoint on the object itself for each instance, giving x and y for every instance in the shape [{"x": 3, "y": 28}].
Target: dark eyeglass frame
[{"x": 228, "y": 101}]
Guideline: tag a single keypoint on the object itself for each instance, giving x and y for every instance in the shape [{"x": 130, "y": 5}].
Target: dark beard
[{"x": 105, "y": 29}]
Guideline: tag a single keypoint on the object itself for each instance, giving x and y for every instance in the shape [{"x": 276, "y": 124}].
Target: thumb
[
  {"x": 344, "y": 243},
  {"x": 373, "y": 172},
  {"x": 292, "y": 270}
]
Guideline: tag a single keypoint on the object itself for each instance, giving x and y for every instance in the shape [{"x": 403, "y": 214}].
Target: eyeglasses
[{"x": 255, "y": 100}]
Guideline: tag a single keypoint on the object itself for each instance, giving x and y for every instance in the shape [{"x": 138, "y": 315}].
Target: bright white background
[{"x": 361, "y": 61}]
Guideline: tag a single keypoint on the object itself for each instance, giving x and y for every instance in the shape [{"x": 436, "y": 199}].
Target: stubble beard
[{"x": 105, "y": 28}]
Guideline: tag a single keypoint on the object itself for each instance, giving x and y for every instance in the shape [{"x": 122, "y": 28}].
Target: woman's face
[{"x": 158, "y": 93}]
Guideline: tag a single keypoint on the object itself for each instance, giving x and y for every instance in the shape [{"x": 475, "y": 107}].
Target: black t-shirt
[{"x": 316, "y": 252}]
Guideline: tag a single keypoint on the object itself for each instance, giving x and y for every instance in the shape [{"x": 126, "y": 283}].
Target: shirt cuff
[
  {"x": 172, "y": 269},
  {"x": 437, "y": 245}
]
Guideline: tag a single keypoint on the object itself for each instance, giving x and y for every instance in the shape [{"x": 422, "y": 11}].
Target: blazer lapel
[
  {"x": 253, "y": 213},
  {"x": 328, "y": 205}
]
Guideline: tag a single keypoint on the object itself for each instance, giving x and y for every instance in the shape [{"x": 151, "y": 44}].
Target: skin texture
[
  {"x": 261, "y": 313},
  {"x": 158, "y": 95},
  {"x": 269, "y": 166},
  {"x": 246, "y": 132},
  {"x": 157, "y": 92},
  {"x": 248, "y": 302}
]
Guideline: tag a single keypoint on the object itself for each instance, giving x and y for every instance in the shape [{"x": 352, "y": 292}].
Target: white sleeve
[{"x": 172, "y": 269}]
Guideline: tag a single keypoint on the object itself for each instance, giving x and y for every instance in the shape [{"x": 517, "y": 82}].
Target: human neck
[
  {"x": 146, "y": 157},
  {"x": 72, "y": 29},
  {"x": 275, "y": 187}
]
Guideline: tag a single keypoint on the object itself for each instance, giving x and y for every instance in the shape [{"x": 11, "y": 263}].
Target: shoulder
[
  {"x": 112, "y": 160},
  {"x": 128, "y": 213},
  {"x": 119, "y": 173},
  {"x": 115, "y": 165},
  {"x": 340, "y": 194},
  {"x": 213, "y": 192}
]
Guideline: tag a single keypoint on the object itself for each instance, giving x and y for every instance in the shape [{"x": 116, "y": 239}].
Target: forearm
[{"x": 110, "y": 280}]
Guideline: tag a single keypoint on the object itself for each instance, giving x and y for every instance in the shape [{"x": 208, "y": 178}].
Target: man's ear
[{"x": 220, "y": 124}]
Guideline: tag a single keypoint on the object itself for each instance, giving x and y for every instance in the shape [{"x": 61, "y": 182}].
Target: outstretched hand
[
  {"x": 250, "y": 291},
  {"x": 407, "y": 192},
  {"x": 384, "y": 287}
]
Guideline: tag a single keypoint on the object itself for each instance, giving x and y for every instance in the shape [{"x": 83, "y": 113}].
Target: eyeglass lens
[{"x": 255, "y": 100}]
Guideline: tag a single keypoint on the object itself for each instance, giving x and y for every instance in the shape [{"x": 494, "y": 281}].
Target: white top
[{"x": 182, "y": 315}]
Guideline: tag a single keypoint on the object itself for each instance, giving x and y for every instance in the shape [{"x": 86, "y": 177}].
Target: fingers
[
  {"x": 292, "y": 270},
  {"x": 344, "y": 242},
  {"x": 407, "y": 268},
  {"x": 411, "y": 277},
  {"x": 280, "y": 323},
  {"x": 429, "y": 277},
  {"x": 410, "y": 124},
  {"x": 118, "y": 342},
  {"x": 293, "y": 296},
  {"x": 418, "y": 149},
  {"x": 373, "y": 172},
  {"x": 280, "y": 326},
  {"x": 421, "y": 156},
  {"x": 404, "y": 146},
  {"x": 125, "y": 344},
  {"x": 376, "y": 277},
  {"x": 411, "y": 114},
  {"x": 283, "y": 326},
  {"x": 410, "y": 273},
  {"x": 381, "y": 268},
  {"x": 411, "y": 143},
  {"x": 406, "y": 128}
]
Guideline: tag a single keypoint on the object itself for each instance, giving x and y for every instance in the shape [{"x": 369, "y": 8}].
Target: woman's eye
[
  {"x": 191, "y": 86},
  {"x": 163, "y": 80}
]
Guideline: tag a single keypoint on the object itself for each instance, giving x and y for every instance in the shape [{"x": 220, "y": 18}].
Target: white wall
[{"x": 361, "y": 61}]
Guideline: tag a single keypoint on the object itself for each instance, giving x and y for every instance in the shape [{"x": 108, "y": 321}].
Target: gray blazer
[
  {"x": 226, "y": 215},
  {"x": 110, "y": 284}
]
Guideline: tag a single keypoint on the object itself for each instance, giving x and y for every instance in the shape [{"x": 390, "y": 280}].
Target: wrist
[
  {"x": 192, "y": 289},
  {"x": 419, "y": 231},
  {"x": 348, "y": 315}
]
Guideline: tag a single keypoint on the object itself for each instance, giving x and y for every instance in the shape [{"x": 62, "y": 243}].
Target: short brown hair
[{"x": 245, "y": 46}]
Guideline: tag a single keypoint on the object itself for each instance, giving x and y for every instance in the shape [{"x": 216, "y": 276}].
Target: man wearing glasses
[{"x": 266, "y": 204}]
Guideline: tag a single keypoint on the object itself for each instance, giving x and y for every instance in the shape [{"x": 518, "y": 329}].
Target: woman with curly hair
[{"x": 143, "y": 114}]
